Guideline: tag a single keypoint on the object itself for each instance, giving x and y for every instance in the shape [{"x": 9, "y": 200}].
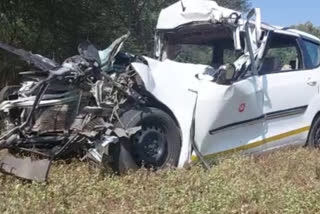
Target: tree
[{"x": 309, "y": 28}]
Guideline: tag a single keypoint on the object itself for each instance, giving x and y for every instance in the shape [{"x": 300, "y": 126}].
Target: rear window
[{"x": 312, "y": 55}]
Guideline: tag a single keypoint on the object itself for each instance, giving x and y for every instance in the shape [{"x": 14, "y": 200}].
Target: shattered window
[
  {"x": 282, "y": 55},
  {"x": 206, "y": 55},
  {"x": 286, "y": 58},
  {"x": 195, "y": 54},
  {"x": 198, "y": 44}
]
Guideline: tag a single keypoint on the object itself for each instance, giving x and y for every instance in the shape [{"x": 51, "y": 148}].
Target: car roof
[
  {"x": 291, "y": 31},
  {"x": 189, "y": 11},
  {"x": 305, "y": 35},
  {"x": 206, "y": 11}
]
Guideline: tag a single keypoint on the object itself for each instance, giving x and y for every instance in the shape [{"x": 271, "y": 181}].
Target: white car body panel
[
  {"x": 306, "y": 35},
  {"x": 294, "y": 93},
  {"x": 225, "y": 102},
  {"x": 187, "y": 11},
  {"x": 173, "y": 84}
]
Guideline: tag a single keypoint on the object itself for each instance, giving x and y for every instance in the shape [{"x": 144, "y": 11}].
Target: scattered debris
[{"x": 26, "y": 168}]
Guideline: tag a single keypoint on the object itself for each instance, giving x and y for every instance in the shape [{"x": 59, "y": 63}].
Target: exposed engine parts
[{"x": 69, "y": 109}]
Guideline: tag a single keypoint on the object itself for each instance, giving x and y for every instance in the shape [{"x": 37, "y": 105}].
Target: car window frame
[
  {"x": 299, "y": 49},
  {"x": 198, "y": 46},
  {"x": 306, "y": 53}
]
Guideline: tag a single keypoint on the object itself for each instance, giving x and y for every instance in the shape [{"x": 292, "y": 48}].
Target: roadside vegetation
[{"x": 281, "y": 182}]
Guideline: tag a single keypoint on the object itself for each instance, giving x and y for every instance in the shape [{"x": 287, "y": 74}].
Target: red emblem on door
[{"x": 242, "y": 107}]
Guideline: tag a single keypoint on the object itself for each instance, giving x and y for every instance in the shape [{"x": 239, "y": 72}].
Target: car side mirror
[{"x": 226, "y": 74}]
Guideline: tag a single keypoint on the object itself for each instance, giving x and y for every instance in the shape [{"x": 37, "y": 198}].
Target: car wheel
[
  {"x": 155, "y": 146},
  {"x": 314, "y": 135}
]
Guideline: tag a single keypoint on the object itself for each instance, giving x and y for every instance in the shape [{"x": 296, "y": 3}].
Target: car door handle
[{"x": 312, "y": 82}]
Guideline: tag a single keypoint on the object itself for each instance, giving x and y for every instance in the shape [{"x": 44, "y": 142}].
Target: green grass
[{"x": 282, "y": 182}]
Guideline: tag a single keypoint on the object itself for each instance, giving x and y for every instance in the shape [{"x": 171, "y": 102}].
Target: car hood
[{"x": 182, "y": 75}]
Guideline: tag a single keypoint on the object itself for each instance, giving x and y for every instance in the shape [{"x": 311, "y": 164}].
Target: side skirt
[{"x": 258, "y": 143}]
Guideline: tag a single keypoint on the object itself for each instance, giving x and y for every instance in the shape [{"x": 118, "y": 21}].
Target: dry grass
[{"x": 283, "y": 182}]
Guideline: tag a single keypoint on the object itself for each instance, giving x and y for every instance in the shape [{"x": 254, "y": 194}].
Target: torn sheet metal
[
  {"x": 108, "y": 55},
  {"x": 188, "y": 11},
  {"x": 38, "y": 61},
  {"x": 26, "y": 168},
  {"x": 65, "y": 110}
]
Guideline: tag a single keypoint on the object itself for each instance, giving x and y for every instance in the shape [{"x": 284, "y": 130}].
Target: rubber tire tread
[{"x": 133, "y": 118}]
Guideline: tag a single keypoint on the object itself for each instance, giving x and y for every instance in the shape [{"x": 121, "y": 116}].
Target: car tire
[
  {"x": 156, "y": 146},
  {"x": 314, "y": 134}
]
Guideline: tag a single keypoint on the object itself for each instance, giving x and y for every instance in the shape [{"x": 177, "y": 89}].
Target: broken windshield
[
  {"x": 214, "y": 56},
  {"x": 206, "y": 44}
]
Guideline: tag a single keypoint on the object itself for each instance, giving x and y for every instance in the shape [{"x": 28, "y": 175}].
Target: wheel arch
[
  {"x": 311, "y": 114},
  {"x": 159, "y": 81},
  {"x": 157, "y": 104},
  {"x": 317, "y": 115}
]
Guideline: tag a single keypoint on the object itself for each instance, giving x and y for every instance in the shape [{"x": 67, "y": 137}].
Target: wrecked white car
[
  {"x": 220, "y": 82},
  {"x": 258, "y": 89}
]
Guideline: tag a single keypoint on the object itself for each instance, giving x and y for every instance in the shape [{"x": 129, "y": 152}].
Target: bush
[{"x": 283, "y": 182}]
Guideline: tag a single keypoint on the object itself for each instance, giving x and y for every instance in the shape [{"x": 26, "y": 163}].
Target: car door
[
  {"x": 288, "y": 88},
  {"x": 229, "y": 118}
]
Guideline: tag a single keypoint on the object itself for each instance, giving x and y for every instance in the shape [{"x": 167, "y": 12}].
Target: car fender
[{"x": 174, "y": 85}]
